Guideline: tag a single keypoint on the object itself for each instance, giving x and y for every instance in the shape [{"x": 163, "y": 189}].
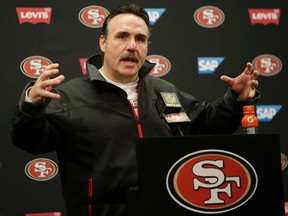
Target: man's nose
[{"x": 132, "y": 45}]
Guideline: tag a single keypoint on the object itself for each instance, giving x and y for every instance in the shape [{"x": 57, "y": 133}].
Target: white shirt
[{"x": 129, "y": 88}]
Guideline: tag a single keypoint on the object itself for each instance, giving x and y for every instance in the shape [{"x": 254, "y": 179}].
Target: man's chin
[{"x": 130, "y": 74}]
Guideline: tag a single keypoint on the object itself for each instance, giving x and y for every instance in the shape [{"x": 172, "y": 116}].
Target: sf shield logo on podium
[{"x": 211, "y": 181}]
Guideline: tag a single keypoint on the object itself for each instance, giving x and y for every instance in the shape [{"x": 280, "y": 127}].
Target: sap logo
[
  {"x": 265, "y": 113},
  {"x": 207, "y": 65},
  {"x": 154, "y": 14}
]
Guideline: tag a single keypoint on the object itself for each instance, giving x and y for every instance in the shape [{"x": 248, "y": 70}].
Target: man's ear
[{"x": 102, "y": 41}]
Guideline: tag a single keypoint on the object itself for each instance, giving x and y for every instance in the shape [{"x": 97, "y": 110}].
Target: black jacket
[{"x": 93, "y": 129}]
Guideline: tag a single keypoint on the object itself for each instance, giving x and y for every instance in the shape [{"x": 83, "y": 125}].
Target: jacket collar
[{"x": 94, "y": 63}]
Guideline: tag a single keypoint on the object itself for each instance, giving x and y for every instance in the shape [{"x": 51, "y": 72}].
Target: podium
[{"x": 210, "y": 175}]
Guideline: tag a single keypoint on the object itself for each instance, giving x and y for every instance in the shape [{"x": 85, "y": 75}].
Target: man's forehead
[{"x": 128, "y": 23}]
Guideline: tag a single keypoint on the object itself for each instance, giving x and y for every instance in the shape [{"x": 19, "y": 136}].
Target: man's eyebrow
[
  {"x": 128, "y": 33},
  {"x": 122, "y": 32}
]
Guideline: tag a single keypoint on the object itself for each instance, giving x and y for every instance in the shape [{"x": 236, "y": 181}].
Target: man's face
[{"x": 125, "y": 47}]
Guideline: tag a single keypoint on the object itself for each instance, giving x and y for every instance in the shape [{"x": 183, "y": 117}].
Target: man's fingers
[
  {"x": 51, "y": 66},
  {"x": 44, "y": 84},
  {"x": 48, "y": 94},
  {"x": 254, "y": 84},
  {"x": 255, "y": 74},
  {"x": 249, "y": 69},
  {"x": 49, "y": 83},
  {"x": 49, "y": 71},
  {"x": 227, "y": 80},
  {"x": 251, "y": 94}
]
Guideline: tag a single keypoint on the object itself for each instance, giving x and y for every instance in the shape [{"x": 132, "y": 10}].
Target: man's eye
[
  {"x": 141, "y": 39},
  {"x": 122, "y": 36}
]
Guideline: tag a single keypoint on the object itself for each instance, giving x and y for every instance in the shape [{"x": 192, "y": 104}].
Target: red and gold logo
[
  {"x": 211, "y": 181},
  {"x": 283, "y": 161},
  {"x": 33, "y": 66},
  {"x": 41, "y": 169},
  {"x": 267, "y": 64},
  {"x": 162, "y": 65},
  {"x": 93, "y": 16},
  {"x": 209, "y": 17}
]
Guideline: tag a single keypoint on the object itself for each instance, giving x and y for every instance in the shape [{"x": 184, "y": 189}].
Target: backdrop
[{"x": 193, "y": 43}]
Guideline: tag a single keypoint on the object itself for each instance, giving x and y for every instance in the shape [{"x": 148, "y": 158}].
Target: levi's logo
[
  {"x": 34, "y": 15},
  {"x": 264, "y": 16},
  {"x": 211, "y": 181},
  {"x": 83, "y": 65}
]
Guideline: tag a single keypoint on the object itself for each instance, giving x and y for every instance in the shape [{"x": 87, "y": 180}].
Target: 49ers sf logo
[
  {"x": 267, "y": 64},
  {"x": 162, "y": 67},
  {"x": 41, "y": 169},
  {"x": 93, "y": 16},
  {"x": 211, "y": 181},
  {"x": 33, "y": 66},
  {"x": 283, "y": 161},
  {"x": 209, "y": 17}
]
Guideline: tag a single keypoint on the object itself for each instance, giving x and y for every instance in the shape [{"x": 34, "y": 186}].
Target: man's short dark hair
[{"x": 135, "y": 9}]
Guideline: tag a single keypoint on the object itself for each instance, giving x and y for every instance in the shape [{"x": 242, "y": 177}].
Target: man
[{"x": 92, "y": 121}]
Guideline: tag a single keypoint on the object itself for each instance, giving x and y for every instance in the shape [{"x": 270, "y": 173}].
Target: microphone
[{"x": 168, "y": 106}]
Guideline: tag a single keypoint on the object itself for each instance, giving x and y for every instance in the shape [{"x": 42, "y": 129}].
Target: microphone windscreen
[{"x": 167, "y": 102}]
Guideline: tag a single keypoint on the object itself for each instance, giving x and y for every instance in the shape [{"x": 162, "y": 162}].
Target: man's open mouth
[{"x": 130, "y": 59}]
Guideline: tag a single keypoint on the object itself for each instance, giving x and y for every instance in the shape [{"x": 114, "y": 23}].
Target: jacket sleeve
[
  {"x": 30, "y": 129},
  {"x": 223, "y": 116}
]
